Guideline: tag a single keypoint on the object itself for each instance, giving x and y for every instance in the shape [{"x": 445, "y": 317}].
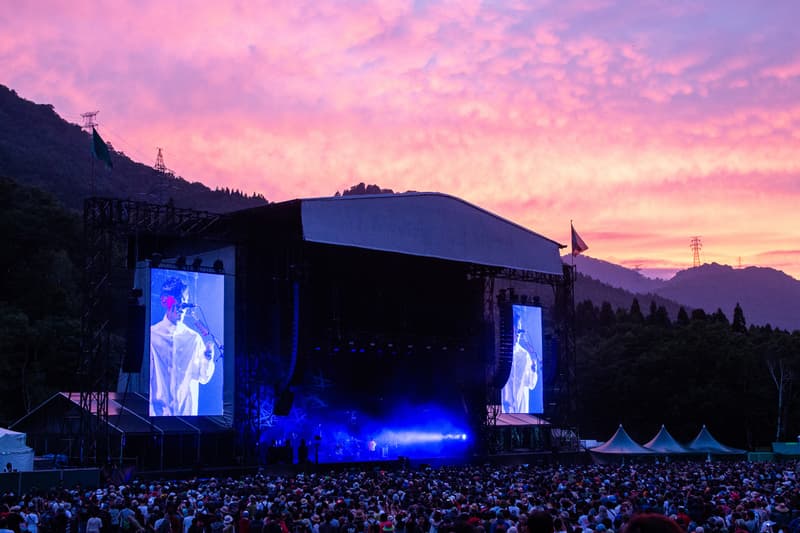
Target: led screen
[
  {"x": 187, "y": 319},
  {"x": 522, "y": 393}
]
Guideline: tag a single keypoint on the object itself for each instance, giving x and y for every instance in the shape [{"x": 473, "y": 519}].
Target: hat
[
  {"x": 782, "y": 508},
  {"x": 602, "y": 527},
  {"x": 228, "y": 519}
]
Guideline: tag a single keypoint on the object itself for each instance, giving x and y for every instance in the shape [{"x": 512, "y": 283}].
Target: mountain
[
  {"x": 38, "y": 148},
  {"x": 587, "y": 288},
  {"x": 766, "y": 295},
  {"x": 614, "y": 275}
]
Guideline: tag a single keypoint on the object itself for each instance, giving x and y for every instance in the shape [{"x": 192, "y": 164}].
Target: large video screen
[
  {"x": 522, "y": 392},
  {"x": 187, "y": 320}
]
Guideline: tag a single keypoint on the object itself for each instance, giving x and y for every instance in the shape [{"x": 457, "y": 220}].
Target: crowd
[{"x": 707, "y": 497}]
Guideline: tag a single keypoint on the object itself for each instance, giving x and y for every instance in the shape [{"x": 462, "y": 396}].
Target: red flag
[{"x": 578, "y": 246}]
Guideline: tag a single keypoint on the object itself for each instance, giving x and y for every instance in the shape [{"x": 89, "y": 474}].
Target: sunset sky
[{"x": 645, "y": 122}]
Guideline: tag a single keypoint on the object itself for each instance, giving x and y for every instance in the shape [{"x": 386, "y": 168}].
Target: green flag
[{"x": 100, "y": 148}]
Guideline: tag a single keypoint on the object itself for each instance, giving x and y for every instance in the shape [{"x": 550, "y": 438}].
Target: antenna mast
[{"x": 695, "y": 245}]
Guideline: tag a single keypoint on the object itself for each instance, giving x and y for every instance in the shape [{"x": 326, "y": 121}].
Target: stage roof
[{"x": 425, "y": 224}]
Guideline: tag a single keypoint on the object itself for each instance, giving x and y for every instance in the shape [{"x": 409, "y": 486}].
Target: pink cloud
[
  {"x": 645, "y": 121},
  {"x": 784, "y": 71}
]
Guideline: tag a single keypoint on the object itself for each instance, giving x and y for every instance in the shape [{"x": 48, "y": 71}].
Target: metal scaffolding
[{"x": 108, "y": 224}]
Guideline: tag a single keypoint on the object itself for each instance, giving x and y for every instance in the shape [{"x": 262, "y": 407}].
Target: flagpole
[
  {"x": 572, "y": 246},
  {"x": 571, "y": 347}
]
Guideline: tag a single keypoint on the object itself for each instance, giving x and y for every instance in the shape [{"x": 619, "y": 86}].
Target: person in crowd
[
  {"x": 541, "y": 522},
  {"x": 652, "y": 523},
  {"x": 94, "y": 524}
]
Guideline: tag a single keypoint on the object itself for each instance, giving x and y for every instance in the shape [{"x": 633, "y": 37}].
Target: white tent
[
  {"x": 704, "y": 442},
  {"x": 15, "y": 451},
  {"x": 621, "y": 444},
  {"x": 664, "y": 443}
]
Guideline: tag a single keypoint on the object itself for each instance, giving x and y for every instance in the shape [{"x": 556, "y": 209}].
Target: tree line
[{"x": 643, "y": 370}]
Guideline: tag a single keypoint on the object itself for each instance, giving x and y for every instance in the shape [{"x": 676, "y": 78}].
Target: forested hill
[
  {"x": 38, "y": 148},
  {"x": 598, "y": 292}
]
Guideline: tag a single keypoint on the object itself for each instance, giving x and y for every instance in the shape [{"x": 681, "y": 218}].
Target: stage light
[
  {"x": 196, "y": 263},
  {"x": 219, "y": 266},
  {"x": 181, "y": 262},
  {"x": 155, "y": 260}
]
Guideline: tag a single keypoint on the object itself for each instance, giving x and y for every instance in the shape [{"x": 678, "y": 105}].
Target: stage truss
[
  {"x": 110, "y": 225},
  {"x": 562, "y": 387}
]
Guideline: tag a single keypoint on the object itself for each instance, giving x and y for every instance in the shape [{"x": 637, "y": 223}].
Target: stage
[{"x": 344, "y": 331}]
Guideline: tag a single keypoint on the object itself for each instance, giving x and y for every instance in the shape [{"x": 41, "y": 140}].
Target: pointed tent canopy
[
  {"x": 15, "y": 451},
  {"x": 663, "y": 442},
  {"x": 704, "y": 442},
  {"x": 621, "y": 444}
]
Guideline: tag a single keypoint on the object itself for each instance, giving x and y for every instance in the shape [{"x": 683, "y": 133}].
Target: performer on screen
[
  {"x": 179, "y": 358},
  {"x": 523, "y": 377}
]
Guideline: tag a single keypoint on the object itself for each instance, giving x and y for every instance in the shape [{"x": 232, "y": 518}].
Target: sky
[{"x": 644, "y": 122}]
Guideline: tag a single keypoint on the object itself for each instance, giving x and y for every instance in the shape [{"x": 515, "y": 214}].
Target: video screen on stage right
[{"x": 522, "y": 392}]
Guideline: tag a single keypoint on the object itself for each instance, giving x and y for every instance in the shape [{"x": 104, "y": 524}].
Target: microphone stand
[{"x": 205, "y": 331}]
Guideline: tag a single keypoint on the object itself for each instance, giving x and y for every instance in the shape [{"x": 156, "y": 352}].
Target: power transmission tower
[
  {"x": 160, "y": 166},
  {"x": 88, "y": 119},
  {"x": 695, "y": 245}
]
